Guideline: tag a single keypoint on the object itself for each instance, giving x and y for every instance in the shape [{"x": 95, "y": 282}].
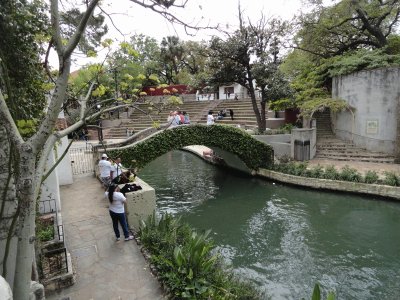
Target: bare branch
[
  {"x": 84, "y": 101},
  {"x": 82, "y": 122},
  {"x": 161, "y": 7},
  {"x": 111, "y": 20},
  {"x": 8, "y": 122},
  {"x": 55, "y": 24}
]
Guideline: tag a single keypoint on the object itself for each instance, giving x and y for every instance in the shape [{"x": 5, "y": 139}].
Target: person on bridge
[
  {"x": 105, "y": 169},
  {"x": 117, "y": 211}
]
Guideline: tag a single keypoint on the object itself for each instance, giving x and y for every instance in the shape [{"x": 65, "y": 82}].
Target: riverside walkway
[{"x": 106, "y": 269}]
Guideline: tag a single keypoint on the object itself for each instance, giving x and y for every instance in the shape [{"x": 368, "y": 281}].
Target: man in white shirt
[
  {"x": 105, "y": 169},
  {"x": 116, "y": 168}
]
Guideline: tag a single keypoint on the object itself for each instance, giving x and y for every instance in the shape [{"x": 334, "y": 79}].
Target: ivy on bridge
[{"x": 252, "y": 152}]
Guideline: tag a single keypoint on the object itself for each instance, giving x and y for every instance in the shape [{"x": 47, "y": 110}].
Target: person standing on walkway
[
  {"x": 210, "y": 118},
  {"x": 105, "y": 169},
  {"x": 117, "y": 211},
  {"x": 116, "y": 169}
]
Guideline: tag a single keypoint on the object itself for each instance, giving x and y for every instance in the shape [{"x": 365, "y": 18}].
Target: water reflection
[{"x": 283, "y": 238}]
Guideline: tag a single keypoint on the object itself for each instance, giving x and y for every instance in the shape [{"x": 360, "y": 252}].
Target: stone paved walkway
[{"x": 105, "y": 269}]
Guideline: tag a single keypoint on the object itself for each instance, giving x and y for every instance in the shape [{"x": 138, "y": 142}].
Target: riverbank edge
[
  {"x": 335, "y": 185},
  {"x": 379, "y": 190}
]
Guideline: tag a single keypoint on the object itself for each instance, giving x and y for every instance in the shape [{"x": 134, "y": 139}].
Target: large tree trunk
[
  {"x": 8, "y": 208},
  {"x": 397, "y": 150},
  {"x": 26, "y": 195},
  {"x": 250, "y": 87}
]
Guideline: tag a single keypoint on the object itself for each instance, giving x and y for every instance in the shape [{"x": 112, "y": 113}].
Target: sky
[{"x": 130, "y": 18}]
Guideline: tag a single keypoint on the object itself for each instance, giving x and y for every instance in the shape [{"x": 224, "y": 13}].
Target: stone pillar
[
  {"x": 304, "y": 135},
  {"x": 140, "y": 204}
]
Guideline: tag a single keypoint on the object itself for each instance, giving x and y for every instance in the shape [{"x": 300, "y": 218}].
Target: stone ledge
[{"x": 336, "y": 185}]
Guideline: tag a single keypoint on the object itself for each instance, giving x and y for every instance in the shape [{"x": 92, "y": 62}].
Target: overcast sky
[{"x": 131, "y": 18}]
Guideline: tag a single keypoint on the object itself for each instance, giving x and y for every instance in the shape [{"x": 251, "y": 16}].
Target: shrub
[
  {"x": 286, "y": 128},
  {"x": 316, "y": 172},
  {"x": 285, "y": 159},
  {"x": 391, "y": 179},
  {"x": 331, "y": 173},
  {"x": 350, "y": 174},
  {"x": 186, "y": 264},
  {"x": 371, "y": 177},
  {"x": 44, "y": 230}
]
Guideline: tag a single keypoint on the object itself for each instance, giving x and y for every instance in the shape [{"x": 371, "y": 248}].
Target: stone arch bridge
[{"x": 253, "y": 153}]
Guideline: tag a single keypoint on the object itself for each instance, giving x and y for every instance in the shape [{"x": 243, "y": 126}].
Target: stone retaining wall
[{"x": 336, "y": 185}]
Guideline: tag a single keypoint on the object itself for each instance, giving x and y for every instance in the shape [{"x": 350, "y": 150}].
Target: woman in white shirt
[
  {"x": 117, "y": 211},
  {"x": 210, "y": 118}
]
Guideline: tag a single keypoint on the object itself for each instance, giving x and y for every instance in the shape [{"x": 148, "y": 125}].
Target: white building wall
[
  {"x": 238, "y": 90},
  {"x": 375, "y": 95},
  {"x": 50, "y": 190},
  {"x": 64, "y": 168}
]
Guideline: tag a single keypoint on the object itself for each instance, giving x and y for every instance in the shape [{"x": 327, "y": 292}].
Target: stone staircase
[
  {"x": 144, "y": 117},
  {"x": 331, "y": 148},
  {"x": 244, "y": 114},
  {"x": 197, "y": 110}
]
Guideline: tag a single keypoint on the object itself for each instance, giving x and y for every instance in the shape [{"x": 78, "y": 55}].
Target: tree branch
[
  {"x": 84, "y": 101},
  {"x": 80, "y": 29},
  {"x": 8, "y": 122},
  {"x": 55, "y": 24},
  {"x": 161, "y": 7}
]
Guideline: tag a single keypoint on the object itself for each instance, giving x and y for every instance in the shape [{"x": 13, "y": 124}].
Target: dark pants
[{"x": 122, "y": 220}]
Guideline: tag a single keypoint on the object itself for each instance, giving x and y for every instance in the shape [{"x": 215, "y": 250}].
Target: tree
[
  {"x": 172, "y": 53},
  {"x": 24, "y": 159},
  {"x": 347, "y": 25},
  {"x": 247, "y": 57}
]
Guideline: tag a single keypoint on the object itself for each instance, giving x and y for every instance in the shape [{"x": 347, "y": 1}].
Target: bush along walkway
[
  {"x": 185, "y": 264},
  {"x": 347, "y": 179}
]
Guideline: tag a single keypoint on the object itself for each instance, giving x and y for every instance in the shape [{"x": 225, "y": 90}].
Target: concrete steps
[{"x": 335, "y": 149}]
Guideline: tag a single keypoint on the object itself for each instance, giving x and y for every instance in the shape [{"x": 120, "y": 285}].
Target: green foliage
[
  {"x": 316, "y": 172},
  {"x": 287, "y": 128},
  {"x": 253, "y": 153},
  {"x": 27, "y": 127},
  {"x": 23, "y": 30},
  {"x": 350, "y": 174},
  {"x": 316, "y": 295},
  {"x": 282, "y": 104},
  {"x": 392, "y": 179},
  {"x": 371, "y": 177},
  {"x": 335, "y": 105},
  {"x": 362, "y": 59},
  {"x": 186, "y": 264},
  {"x": 292, "y": 168},
  {"x": 44, "y": 230},
  {"x": 95, "y": 29},
  {"x": 331, "y": 173}
]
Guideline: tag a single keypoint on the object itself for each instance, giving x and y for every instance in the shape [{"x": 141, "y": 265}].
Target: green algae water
[{"x": 283, "y": 238}]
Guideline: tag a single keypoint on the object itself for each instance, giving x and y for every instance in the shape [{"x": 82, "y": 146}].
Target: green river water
[{"x": 284, "y": 238}]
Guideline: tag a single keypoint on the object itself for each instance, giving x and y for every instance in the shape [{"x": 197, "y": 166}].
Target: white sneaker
[{"x": 129, "y": 238}]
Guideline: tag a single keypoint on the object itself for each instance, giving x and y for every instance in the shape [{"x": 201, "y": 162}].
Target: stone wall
[
  {"x": 336, "y": 185},
  {"x": 280, "y": 142},
  {"x": 375, "y": 95},
  {"x": 140, "y": 204}
]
